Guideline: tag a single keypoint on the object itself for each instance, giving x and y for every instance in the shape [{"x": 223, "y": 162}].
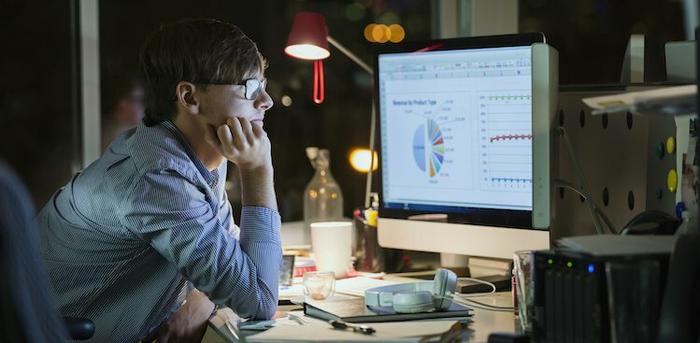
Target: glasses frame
[{"x": 255, "y": 84}]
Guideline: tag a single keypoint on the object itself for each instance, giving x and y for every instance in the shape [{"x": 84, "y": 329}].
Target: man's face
[
  {"x": 130, "y": 107},
  {"x": 221, "y": 102}
]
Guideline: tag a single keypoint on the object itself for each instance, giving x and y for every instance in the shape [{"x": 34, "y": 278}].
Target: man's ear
[{"x": 187, "y": 97}]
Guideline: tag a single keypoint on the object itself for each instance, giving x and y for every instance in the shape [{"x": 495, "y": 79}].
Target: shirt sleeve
[
  {"x": 175, "y": 218},
  {"x": 226, "y": 207}
]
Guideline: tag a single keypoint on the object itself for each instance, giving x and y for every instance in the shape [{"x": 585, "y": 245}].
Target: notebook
[
  {"x": 442, "y": 330},
  {"x": 353, "y": 310}
]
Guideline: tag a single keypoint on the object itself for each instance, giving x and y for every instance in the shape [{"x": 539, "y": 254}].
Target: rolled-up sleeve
[{"x": 175, "y": 218}]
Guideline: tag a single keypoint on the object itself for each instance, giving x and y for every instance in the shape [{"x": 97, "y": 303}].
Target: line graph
[
  {"x": 507, "y": 179},
  {"x": 505, "y": 141},
  {"x": 510, "y": 137}
]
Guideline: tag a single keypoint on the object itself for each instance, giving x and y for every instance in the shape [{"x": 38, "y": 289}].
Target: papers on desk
[
  {"x": 355, "y": 286},
  {"x": 292, "y": 293},
  {"x": 358, "y": 285},
  {"x": 666, "y": 101},
  {"x": 314, "y": 330}
]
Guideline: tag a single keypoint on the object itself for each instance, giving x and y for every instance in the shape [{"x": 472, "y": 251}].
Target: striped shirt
[{"x": 124, "y": 239}]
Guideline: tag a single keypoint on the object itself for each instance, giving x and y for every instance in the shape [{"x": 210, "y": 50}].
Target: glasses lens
[{"x": 252, "y": 88}]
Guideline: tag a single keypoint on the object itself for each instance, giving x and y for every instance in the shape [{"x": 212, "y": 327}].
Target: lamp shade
[{"x": 308, "y": 37}]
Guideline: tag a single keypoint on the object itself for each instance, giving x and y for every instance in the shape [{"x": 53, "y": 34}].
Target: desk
[{"x": 484, "y": 321}]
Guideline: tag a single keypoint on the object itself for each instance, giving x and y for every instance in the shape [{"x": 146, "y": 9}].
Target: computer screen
[
  {"x": 464, "y": 132},
  {"x": 456, "y": 129}
]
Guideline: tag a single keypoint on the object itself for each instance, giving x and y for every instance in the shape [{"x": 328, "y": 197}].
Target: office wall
[
  {"x": 591, "y": 35},
  {"x": 39, "y": 111}
]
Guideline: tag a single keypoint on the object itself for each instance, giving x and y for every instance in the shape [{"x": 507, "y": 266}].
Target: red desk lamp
[{"x": 309, "y": 40}]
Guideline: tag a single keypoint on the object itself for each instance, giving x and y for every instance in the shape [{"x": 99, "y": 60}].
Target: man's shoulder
[{"x": 154, "y": 148}]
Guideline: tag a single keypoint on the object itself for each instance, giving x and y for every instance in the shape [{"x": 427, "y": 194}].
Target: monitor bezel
[{"x": 521, "y": 219}]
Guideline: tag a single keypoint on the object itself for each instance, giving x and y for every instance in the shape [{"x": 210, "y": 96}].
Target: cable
[
  {"x": 596, "y": 208},
  {"x": 589, "y": 200},
  {"x": 607, "y": 221},
  {"x": 579, "y": 174},
  {"x": 465, "y": 299},
  {"x": 471, "y": 302}
]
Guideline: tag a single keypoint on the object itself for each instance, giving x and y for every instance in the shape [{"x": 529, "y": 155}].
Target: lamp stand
[
  {"x": 350, "y": 55},
  {"x": 372, "y": 125}
]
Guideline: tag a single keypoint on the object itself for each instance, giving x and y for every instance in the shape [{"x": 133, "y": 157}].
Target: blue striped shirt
[{"x": 127, "y": 237}]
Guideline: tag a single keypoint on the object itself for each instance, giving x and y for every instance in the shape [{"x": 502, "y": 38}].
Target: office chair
[{"x": 26, "y": 303}]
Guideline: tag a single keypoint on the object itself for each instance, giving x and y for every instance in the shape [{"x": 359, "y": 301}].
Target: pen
[
  {"x": 296, "y": 318},
  {"x": 339, "y": 324},
  {"x": 232, "y": 329}
]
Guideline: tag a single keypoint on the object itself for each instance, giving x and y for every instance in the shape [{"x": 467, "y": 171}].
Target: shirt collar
[{"x": 211, "y": 177}]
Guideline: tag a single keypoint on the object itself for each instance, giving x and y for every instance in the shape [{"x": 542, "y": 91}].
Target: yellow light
[
  {"x": 397, "y": 33},
  {"x": 368, "y": 32},
  {"x": 672, "y": 180},
  {"x": 359, "y": 160},
  {"x": 381, "y": 33},
  {"x": 307, "y": 52}
]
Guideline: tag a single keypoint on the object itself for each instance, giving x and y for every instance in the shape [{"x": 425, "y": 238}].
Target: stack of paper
[
  {"x": 385, "y": 332},
  {"x": 358, "y": 285},
  {"x": 666, "y": 101}
]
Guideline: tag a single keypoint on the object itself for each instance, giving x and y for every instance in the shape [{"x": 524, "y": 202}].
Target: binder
[{"x": 353, "y": 310}]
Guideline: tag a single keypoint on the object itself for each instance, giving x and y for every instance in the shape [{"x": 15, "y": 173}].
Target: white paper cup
[{"x": 331, "y": 243}]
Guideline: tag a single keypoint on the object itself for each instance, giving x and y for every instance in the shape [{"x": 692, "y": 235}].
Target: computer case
[{"x": 579, "y": 297}]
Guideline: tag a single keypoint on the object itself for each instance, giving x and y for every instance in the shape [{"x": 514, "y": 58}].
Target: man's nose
[{"x": 264, "y": 101}]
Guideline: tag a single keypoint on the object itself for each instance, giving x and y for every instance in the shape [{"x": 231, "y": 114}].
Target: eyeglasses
[{"x": 253, "y": 87}]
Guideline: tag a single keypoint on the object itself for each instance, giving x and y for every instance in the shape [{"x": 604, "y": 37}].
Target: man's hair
[{"x": 201, "y": 51}]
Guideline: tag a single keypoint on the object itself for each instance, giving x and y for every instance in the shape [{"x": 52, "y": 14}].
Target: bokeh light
[
  {"x": 355, "y": 11},
  {"x": 368, "y": 32},
  {"x": 286, "y": 100},
  {"x": 360, "y": 159},
  {"x": 381, "y": 33},
  {"x": 397, "y": 33}
]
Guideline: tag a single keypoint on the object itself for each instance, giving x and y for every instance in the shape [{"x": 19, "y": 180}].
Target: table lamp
[{"x": 308, "y": 40}]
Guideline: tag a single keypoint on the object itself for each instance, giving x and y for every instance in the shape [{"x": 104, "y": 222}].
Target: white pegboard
[{"x": 619, "y": 157}]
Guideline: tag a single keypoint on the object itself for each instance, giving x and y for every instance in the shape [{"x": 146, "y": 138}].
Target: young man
[{"x": 128, "y": 239}]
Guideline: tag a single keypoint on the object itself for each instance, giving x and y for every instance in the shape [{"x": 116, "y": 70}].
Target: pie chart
[{"x": 429, "y": 148}]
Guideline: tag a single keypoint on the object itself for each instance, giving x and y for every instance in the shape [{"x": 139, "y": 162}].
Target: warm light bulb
[
  {"x": 368, "y": 32},
  {"x": 397, "y": 33},
  {"x": 381, "y": 33},
  {"x": 307, "y": 52},
  {"x": 360, "y": 160}
]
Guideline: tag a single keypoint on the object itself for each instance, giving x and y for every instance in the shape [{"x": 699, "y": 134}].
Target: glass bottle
[{"x": 323, "y": 199}]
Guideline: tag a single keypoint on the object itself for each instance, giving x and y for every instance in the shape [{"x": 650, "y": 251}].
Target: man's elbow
[{"x": 266, "y": 308}]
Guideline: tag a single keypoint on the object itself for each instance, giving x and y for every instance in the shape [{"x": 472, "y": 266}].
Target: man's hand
[
  {"x": 242, "y": 142},
  {"x": 246, "y": 145},
  {"x": 189, "y": 323}
]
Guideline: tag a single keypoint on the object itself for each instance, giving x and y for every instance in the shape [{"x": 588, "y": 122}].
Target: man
[
  {"x": 128, "y": 238},
  {"x": 122, "y": 105}
]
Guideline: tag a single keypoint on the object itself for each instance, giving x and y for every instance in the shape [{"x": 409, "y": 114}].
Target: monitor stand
[{"x": 496, "y": 272}]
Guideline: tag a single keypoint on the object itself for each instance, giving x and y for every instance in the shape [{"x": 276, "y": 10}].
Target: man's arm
[
  {"x": 173, "y": 215},
  {"x": 257, "y": 187}
]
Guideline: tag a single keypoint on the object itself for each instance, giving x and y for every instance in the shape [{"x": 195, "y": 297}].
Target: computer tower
[{"x": 580, "y": 297}]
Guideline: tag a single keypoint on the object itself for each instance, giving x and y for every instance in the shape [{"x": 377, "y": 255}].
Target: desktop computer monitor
[{"x": 464, "y": 131}]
